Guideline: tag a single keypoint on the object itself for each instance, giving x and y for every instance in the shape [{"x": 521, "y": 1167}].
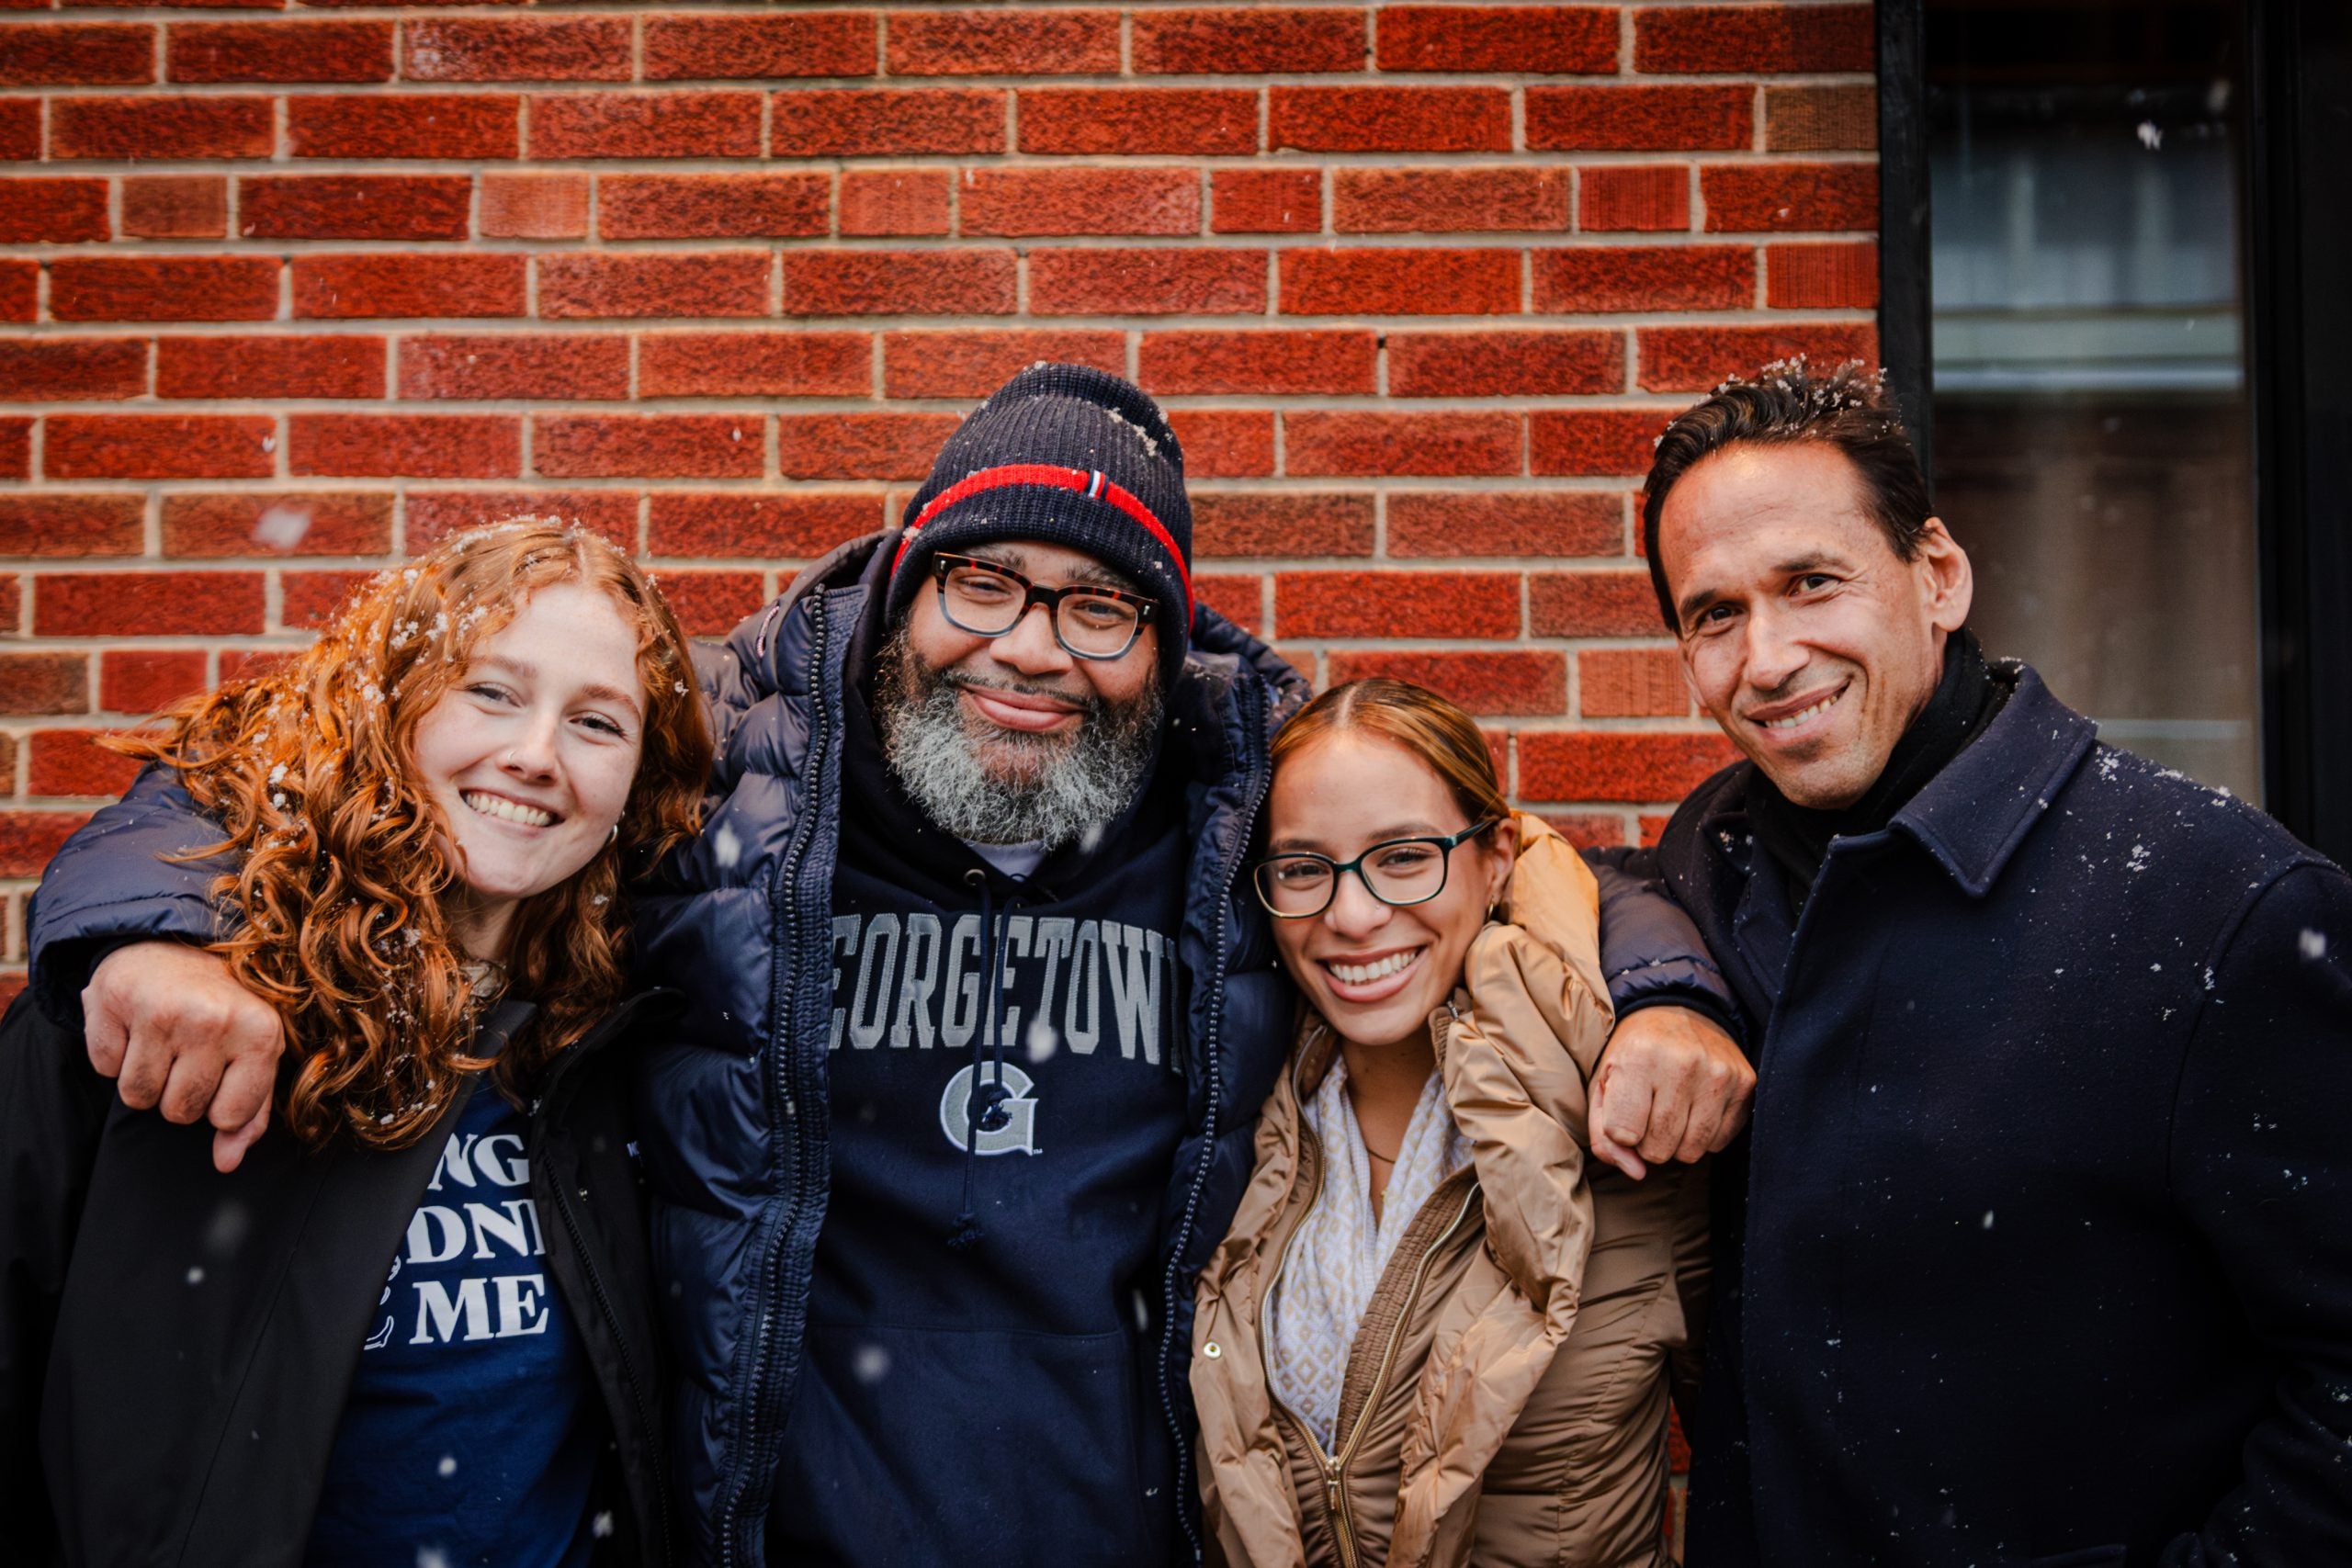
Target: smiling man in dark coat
[{"x": 2047, "y": 1197}]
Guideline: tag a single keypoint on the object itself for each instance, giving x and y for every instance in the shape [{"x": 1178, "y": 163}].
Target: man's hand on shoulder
[
  {"x": 1671, "y": 1085},
  {"x": 177, "y": 1032}
]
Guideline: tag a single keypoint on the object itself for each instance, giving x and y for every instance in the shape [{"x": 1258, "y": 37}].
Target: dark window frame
[{"x": 2300, "y": 328}]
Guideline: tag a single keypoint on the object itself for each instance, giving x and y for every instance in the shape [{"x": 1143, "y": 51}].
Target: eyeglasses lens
[{"x": 991, "y": 602}]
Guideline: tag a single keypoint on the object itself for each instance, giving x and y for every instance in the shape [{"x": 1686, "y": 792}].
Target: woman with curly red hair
[{"x": 416, "y": 1328}]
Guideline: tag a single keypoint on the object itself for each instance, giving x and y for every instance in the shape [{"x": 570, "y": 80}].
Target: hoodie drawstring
[{"x": 984, "y": 1107}]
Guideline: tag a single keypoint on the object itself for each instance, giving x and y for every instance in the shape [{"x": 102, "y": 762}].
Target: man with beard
[{"x": 977, "y": 1011}]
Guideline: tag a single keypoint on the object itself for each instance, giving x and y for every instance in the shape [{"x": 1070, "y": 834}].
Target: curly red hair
[{"x": 344, "y": 860}]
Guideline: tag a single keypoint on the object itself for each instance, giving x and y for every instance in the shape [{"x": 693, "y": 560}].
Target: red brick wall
[{"x": 291, "y": 291}]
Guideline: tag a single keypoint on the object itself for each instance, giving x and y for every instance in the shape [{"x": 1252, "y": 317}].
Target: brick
[
  {"x": 1821, "y": 278},
  {"x": 1224, "y": 444},
  {"x": 28, "y": 840},
  {"x": 655, "y": 445},
  {"x": 19, "y": 288},
  {"x": 756, "y": 365},
  {"x": 54, "y": 55},
  {"x": 1515, "y": 39},
  {"x": 1842, "y": 119},
  {"x": 67, "y": 762},
  {"x": 354, "y": 207},
  {"x": 709, "y": 604},
  {"x": 175, "y": 206},
  {"x": 418, "y": 125},
  {"x": 1331, "y": 362},
  {"x": 279, "y": 51},
  {"x": 1146, "y": 282},
  {"x": 270, "y": 367},
  {"x": 420, "y": 446},
  {"x": 147, "y": 680},
  {"x": 974, "y": 364},
  {"x": 841, "y": 122},
  {"x": 514, "y": 49},
  {"x": 1631, "y": 683},
  {"x": 1006, "y": 43},
  {"x": 147, "y": 603},
  {"x": 1389, "y": 119},
  {"x": 1265, "y": 201},
  {"x": 1497, "y": 364},
  {"x": 37, "y": 369},
  {"x": 1240, "y": 599},
  {"x": 1646, "y": 278},
  {"x": 533, "y": 206},
  {"x": 53, "y": 211},
  {"x": 278, "y": 523},
  {"x": 1593, "y": 440},
  {"x": 1640, "y": 119},
  {"x": 1777, "y": 198},
  {"x": 1615, "y": 765},
  {"x": 309, "y": 599},
  {"x": 860, "y": 446},
  {"x": 1316, "y": 441},
  {"x": 1560, "y": 523},
  {"x": 20, "y": 130},
  {"x": 1079, "y": 201},
  {"x": 390, "y": 285},
  {"x": 515, "y": 364},
  {"x": 432, "y": 517},
  {"x": 1258, "y": 522},
  {"x": 1591, "y": 830},
  {"x": 711, "y": 283},
  {"x": 760, "y": 526},
  {"x": 47, "y": 524},
  {"x": 836, "y": 43},
  {"x": 1432, "y": 201},
  {"x": 1751, "y": 38},
  {"x": 1255, "y": 41},
  {"x": 670, "y": 207},
  {"x": 877, "y": 202},
  {"x": 965, "y": 282},
  {"x": 1522, "y": 682},
  {"x": 16, "y": 447},
  {"x": 1591, "y": 604},
  {"x": 161, "y": 128},
  {"x": 159, "y": 447},
  {"x": 1695, "y": 360},
  {"x": 645, "y": 124},
  {"x": 1400, "y": 282},
  {"x": 1397, "y": 604},
  {"x": 1150, "y": 121},
  {"x": 1643, "y": 197}
]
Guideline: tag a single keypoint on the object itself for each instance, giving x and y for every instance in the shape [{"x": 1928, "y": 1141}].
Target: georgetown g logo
[{"x": 1006, "y": 1116}]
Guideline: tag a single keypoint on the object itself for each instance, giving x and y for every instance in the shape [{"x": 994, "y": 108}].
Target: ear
[
  {"x": 1945, "y": 576},
  {"x": 1502, "y": 853}
]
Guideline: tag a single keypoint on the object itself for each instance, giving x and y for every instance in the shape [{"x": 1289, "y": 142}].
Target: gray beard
[{"x": 989, "y": 786}]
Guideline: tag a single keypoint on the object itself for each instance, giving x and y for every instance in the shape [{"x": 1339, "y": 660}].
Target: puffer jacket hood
[
  {"x": 1464, "y": 1336},
  {"x": 733, "y": 1101}
]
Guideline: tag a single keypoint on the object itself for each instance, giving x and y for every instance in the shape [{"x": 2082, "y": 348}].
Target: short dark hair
[{"x": 1786, "y": 402}]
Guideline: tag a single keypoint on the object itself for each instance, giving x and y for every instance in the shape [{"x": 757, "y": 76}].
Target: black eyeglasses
[
  {"x": 1090, "y": 620},
  {"x": 1399, "y": 872}
]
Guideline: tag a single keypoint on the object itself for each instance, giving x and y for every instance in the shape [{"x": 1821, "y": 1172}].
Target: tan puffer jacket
[{"x": 1505, "y": 1401}]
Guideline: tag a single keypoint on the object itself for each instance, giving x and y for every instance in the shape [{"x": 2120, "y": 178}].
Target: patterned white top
[{"x": 1337, "y": 1255}]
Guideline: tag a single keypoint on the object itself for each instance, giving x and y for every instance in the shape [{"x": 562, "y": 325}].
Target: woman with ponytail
[{"x": 414, "y": 1325}]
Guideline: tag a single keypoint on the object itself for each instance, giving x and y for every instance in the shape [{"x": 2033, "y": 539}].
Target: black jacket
[
  {"x": 176, "y": 1344},
  {"x": 2048, "y": 1195}
]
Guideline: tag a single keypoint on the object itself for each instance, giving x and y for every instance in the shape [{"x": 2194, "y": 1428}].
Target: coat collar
[{"x": 1971, "y": 817}]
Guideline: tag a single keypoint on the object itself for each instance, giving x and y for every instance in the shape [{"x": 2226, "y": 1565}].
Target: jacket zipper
[
  {"x": 1335, "y": 1492},
  {"x": 756, "y": 1443},
  {"x": 1253, "y": 728}
]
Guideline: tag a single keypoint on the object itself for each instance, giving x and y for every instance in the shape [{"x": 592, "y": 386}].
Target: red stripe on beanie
[{"x": 1053, "y": 478}]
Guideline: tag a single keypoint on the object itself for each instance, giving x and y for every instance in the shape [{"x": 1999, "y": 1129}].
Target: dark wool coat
[
  {"x": 731, "y": 1111},
  {"x": 2048, "y": 1195}
]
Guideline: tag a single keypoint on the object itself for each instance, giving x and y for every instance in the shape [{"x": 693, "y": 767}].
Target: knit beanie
[{"x": 1071, "y": 456}]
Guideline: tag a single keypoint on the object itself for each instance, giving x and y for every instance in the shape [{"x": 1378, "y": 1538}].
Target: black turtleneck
[{"x": 1963, "y": 703}]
